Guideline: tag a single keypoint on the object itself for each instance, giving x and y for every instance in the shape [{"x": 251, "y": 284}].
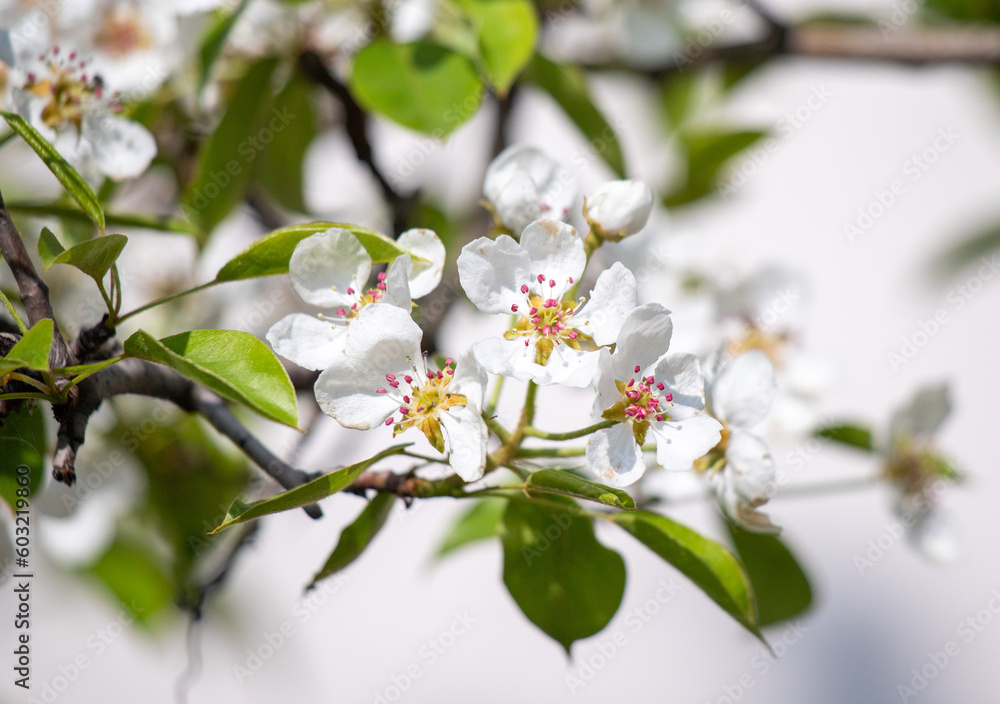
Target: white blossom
[
  {"x": 523, "y": 184},
  {"x": 619, "y": 208}
]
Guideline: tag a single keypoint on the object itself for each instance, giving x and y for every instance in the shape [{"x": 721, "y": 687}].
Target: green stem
[
  {"x": 14, "y": 397},
  {"x": 88, "y": 370},
  {"x": 147, "y": 222},
  {"x": 116, "y": 290},
  {"x": 166, "y": 299},
  {"x": 425, "y": 458},
  {"x": 107, "y": 299},
  {"x": 491, "y": 407},
  {"x": 528, "y": 452},
  {"x": 570, "y": 435},
  {"x": 13, "y": 313},
  {"x": 24, "y": 378}
]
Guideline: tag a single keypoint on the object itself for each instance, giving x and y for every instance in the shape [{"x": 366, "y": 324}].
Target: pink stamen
[
  {"x": 572, "y": 335},
  {"x": 448, "y": 362},
  {"x": 390, "y": 377},
  {"x": 668, "y": 398},
  {"x": 430, "y": 375},
  {"x": 408, "y": 379},
  {"x": 341, "y": 311},
  {"x": 450, "y": 372},
  {"x": 552, "y": 283},
  {"x": 637, "y": 369},
  {"x": 660, "y": 386},
  {"x": 547, "y": 330},
  {"x": 570, "y": 279},
  {"x": 381, "y": 391},
  {"x": 541, "y": 278},
  {"x": 532, "y": 311},
  {"x": 440, "y": 375},
  {"x": 659, "y": 417},
  {"x": 388, "y": 421},
  {"x": 381, "y": 276},
  {"x": 350, "y": 291},
  {"x": 513, "y": 308},
  {"x": 524, "y": 288},
  {"x": 404, "y": 410},
  {"x": 406, "y": 399},
  {"x": 525, "y": 343}
]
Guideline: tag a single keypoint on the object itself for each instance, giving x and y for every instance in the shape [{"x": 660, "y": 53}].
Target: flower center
[
  {"x": 123, "y": 33},
  {"x": 772, "y": 344},
  {"x": 422, "y": 397},
  {"x": 67, "y": 89},
  {"x": 644, "y": 400},
  {"x": 361, "y": 299},
  {"x": 546, "y": 322}
]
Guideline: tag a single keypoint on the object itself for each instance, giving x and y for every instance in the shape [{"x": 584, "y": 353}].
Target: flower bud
[
  {"x": 523, "y": 184},
  {"x": 619, "y": 208}
]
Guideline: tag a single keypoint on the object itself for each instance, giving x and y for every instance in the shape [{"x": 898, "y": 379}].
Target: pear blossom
[
  {"x": 330, "y": 270},
  {"x": 523, "y": 184},
  {"x": 380, "y": 378},
  {"x": 618, "y": 208},
  {"x": 653, "y": 395},
  {"x": 918, "y": 472},
  {"x": 740, "y": 469},
  {"x": 555, "y": 338},
  {"x": 58, "y": 93}
]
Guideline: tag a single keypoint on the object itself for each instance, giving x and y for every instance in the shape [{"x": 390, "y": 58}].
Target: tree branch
[{"x": 135, "y": 376}]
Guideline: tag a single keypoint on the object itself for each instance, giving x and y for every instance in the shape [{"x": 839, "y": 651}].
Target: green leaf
[
  {"x": 707, "y": 154},
  {"x": 308, "y": 493},
  {"x": 49, "y": 247},
  {"x": 984, "y": 11},
  {"x": 568, "y": 86},
  {"x": 32, "y": 350},
  {"x": 214, "y": 40},
  {"x": 564, "y": 580},
  {"x": 559, "y": 481},
  {"x": 67, "y": 175},
  {"x": 423, "y": 86},
  {"x": 971, "y": 249},
  {"x": 279, "y": 170},
  {"x": 848, "y": 434},
  {"x": 163, "y": 223},
  {"x": 224, "y": 162},
  {"x": 483, "y": 521},
  {"x": 136, "y": 578},
  {"x": 235, "y": 365},
  {"x": 22, "y": 437},
  {"x": 94, "y": 257},
  {"x": 706, "y": 563},
  {"x": 506, "y": 33},
  {"x": 355, "y": 537},
  {"x": 780, "y": 586},
  {"x": 270, "y": 254}
]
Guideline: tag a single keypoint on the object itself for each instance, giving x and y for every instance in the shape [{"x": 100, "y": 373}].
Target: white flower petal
[
  {"x": 644, "y": 338},
  {"x": 620, "y": 208},
  {"x": 556, "y": 251},
  {"x": 680, "y": 442},
  {"x": 307, "y": 340},
  {"x": 492, "y": 272},
  {"x": 680, "y": 373},
  {"x": 495, "y": 354},
  {"x": 121, "y": 148},
  {"x": 613, "y": 298},
  {"x": 467, "y": 438},
  {"x": 565, "y": 366},
  {"x": 469, "y": 379},
  {"x": 382, "y": 340},
  {"x": 397, "y": 287},
  {"x": 743, "y": 392},
  {"x": 350, "y": 397},
  {"x": 525, "y": 184},
  {"x": 923, "y": 414},
  {"x": 323, "y": 266},
  {"x": 426, "y": 275},
  {"x": 604, "y": 383},
  {"x": 750, "y": 468},
  {"x": 935, "y": 537},
  {"x": 614, "y": 457}
]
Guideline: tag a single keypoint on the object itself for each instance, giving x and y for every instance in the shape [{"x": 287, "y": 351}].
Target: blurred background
[{"x": 401, "y": 625}]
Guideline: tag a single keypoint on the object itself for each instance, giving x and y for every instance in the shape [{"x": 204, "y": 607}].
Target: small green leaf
[
  {"x": 483, "y": 521},
  {"x": 49, "y": 248},
  {"x": 568, "y": 86},
  {"x": 780, "y": 586},
  {"x": 94, "y": 257},
  {"x": 848, "y": 434},
  {"x": 67, "y": 175},
  {"x": 423, "y": 86},
  {"x": 304, "y": 495},
  {"x": 356, "y": 537},
  {"x": 507, "y": 31},
  {"x": 558, "y": 481},
  {"x": 564, "y": 580},
  {"x": 270, "y": 254},
  {"x": 235, "y": 365},
  {"x": 279, "y": 170},
  {"x": 708, "y": 151},
  {"x": 32, "y": 350},
  {"x": 214, "y": 40},
  {"x": 706, "y": 563},
  {"x": 225, "y": 159},
  {"x": 136, "y": 577},
  {"x": 22, "y": 437}
]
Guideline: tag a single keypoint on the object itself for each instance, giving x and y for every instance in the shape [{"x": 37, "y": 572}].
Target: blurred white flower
[
  {"x": 618, "y": 208},
  {"x": 523, "y": 184}
]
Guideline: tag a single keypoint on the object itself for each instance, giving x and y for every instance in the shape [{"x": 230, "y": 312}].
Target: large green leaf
[
  {"x": 709, "y": 565},
  {"x": 67, "y": 175},
  {"x": 233, "y": 364},
  {"x": 564, "y": 580},
  {"x": 483, "y": 521},
  {"x": 32, "y": 350},
  {"x": 279, "y": 170},
  {"x": 856, "y": 436},
  {"x": 226, "y": 158},
  {"x": 568, "y": 86},
  {"x": 94, "y": 257},
  {"x": 305, "y": 495},
  {"x": 22, "y": 437},
  {"x": 708, "y": 151},
  {"x": 356, "y": 537},
  {"x": 558, "y": 481},
  {"x": 506, "y": 31},
  {"x": 136, "y": 577},
  {"x": 780, "y": 586},
  {"x": 423, "y": 86},
  {"x": 270, "y": 254}
]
